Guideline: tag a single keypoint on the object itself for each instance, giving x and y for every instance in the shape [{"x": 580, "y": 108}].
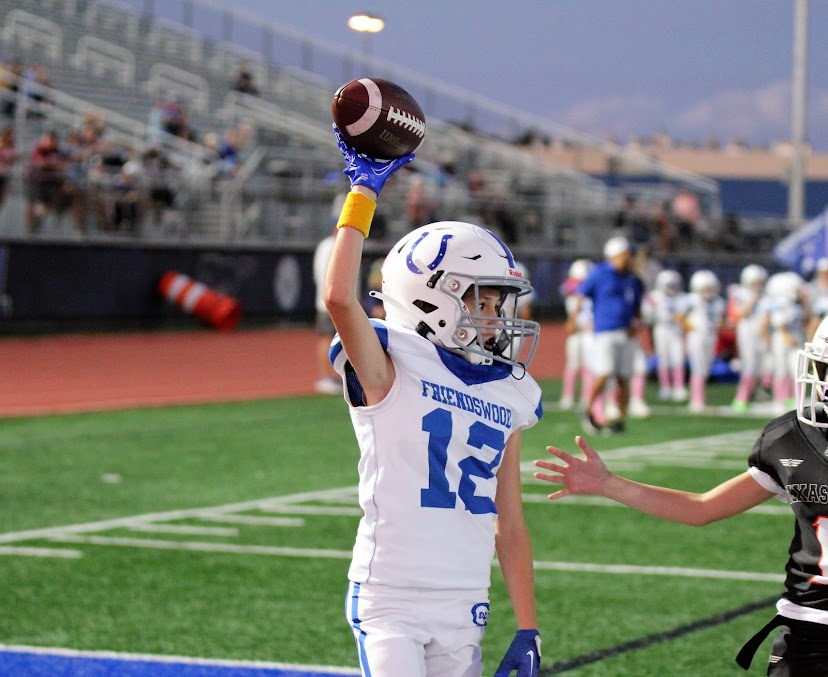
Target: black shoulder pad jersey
[{"x": 794, "y": 456}]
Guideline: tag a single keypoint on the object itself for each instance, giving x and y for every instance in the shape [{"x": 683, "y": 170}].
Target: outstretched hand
[
  {"x": 365, "y": 171},
  {"x": 578, "y": 475}
]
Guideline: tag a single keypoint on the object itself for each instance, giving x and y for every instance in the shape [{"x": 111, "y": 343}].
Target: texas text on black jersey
[{"x": 790, "y": 458}]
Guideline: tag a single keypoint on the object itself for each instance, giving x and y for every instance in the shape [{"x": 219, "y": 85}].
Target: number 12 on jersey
[{"x": 439, "y": 426}]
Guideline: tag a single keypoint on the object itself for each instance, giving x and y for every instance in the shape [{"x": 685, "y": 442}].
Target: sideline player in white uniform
[
  {"x": 703, "y": 318},
  {"x": 750, "y": 346},
  {"x": 782, "y": 321},
  {"x": 438, "y": 402},
  {"x": 663, "y": 309},
  {"x": 578, "y": 338}
]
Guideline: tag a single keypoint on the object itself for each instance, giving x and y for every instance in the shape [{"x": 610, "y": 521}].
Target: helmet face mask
[
  {"x": 811, "y": 387},
  {"x": 438, "y": 280}
]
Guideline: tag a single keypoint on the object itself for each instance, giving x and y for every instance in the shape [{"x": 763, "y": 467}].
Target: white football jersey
[{"x": 429, "y": 456}]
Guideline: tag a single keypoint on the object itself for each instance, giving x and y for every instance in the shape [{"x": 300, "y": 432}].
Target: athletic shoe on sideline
[
  {"x": 617, "y": 427},
  {"x": 638, "y": 409},
  {"x": 738, "y": 406},
  {"x": 328, "y": 386},
  {"x": 680, "y": 394},
  {"x": 566, "y": 403},
  {"x": 589, "y": 424}
]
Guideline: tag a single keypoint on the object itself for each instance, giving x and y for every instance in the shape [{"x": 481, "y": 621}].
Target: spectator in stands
[
  {"x": 80, "y": 147},
  {"x": 11, "y": 75},
  {"x": 245, "y": 82},
  {"x": 35, "y": 82},
  {"x": 174, "y": 119},
  {"x": 8, "y": 158},
  {"x": 127, "y": 203},
  {"x": 160, "y": 177},
  {"x": 632, "y": 221},
  {"x": 155, "y": 120},
  {"x": 686, "y": 212},
  {"x": 45, "y": 176},
  {"x": 104, "y": 169},
  {"x": 663, "y": 228}
]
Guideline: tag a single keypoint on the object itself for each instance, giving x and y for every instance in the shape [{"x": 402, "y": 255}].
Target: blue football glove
[
  {"x": 523, "y": 655},
  {"x": 365, "y": 171}
]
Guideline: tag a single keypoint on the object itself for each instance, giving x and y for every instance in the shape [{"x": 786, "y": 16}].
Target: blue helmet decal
[
  {"x": 409, "y": 260},
  {"x": 509, "y": 257}
]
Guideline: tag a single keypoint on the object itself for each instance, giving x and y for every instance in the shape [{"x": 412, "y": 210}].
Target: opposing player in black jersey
[{"x": 789, "y": 461}]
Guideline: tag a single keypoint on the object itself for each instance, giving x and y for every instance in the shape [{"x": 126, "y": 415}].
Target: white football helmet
[
  {"x": 668, "y": 282},
  {"x": 579, "y": 269},
  {"x": 753, "y": 274},
  {"x": 705, "y": 283},
  {"x": 811, "y": 388},
  {"x": 427, "y": 273},
  {"x": 785, "y": 286}
]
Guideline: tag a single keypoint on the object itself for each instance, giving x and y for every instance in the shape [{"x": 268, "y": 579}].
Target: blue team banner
[{"x": 800, "y": 250}]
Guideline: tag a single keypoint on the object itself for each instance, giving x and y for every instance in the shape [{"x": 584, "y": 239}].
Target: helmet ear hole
[{"x": 425, "y": 306}]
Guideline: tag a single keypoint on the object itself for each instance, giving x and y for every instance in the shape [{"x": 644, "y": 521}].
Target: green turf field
[{"x": 225, "y": 530}]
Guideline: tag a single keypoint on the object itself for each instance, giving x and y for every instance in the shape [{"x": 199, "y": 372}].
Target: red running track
[{"x": 93, "y": 372}]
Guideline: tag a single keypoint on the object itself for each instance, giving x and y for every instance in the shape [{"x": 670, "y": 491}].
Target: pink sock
[
  {"x": 586, "y": 385},
  {"x": 664, "y": 378},
  {"x": 569, "y": 377},
  {"x": 637, "y": 385},
  {"x": 697, "y": 389},
  {"x": 746, "y": 385},
  {"x": 678, "y": 377}
]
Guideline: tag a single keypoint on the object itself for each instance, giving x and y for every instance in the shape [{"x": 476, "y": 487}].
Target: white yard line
[
  {"x": 765, "y": 509},
  {"x": 22, "y": 551},
  {"x": 253, "y": 520},
  {"x": 154, "y": 528},
  {"x": 331, "y": 511},
  {"x": 121, "y": 522},
  {"x": 199, "y": 546},
  {"x": 658, "y": 571},
  {"x": 584, "y": 567},
  {"x": 187, "y": 660}
]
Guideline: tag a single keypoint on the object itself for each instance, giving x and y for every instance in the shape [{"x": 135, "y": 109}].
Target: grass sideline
[{"x": 274, "y": 592}]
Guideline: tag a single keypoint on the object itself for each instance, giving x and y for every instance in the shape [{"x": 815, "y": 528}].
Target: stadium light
[{"x": 367, "y": 24}]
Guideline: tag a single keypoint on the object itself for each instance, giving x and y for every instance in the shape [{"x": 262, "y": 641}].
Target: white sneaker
[
  {"x": 664, "y": 394},
  {"x": 566, "y": 403},
  {"x": 611, "y": 411},
  {"x": 638, "y": 409},
  {"x": 328, "y": 386},
  {"x": 696, "y": 407},
  {"x": 680, "y": 394}
]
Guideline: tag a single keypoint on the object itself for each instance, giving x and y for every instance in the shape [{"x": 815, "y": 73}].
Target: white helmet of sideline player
[
  {"x": 785, "y": 286},
  {"x": 811, "y": 388},
  {"x": 579, "y": 269},
  {"x": 753, "y": 274},
  {"x": 668, "y": 282},
  {"x": 427, "y": 273},
  {"x": 704, "y": 283}
]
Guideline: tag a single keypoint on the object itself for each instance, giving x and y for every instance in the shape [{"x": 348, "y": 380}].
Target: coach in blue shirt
[{"x": 616, "y": 292}]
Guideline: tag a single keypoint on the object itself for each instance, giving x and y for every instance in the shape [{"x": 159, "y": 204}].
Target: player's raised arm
[
  {"x": 589, "y": 475},
  {"x": 365, "y": 353}
]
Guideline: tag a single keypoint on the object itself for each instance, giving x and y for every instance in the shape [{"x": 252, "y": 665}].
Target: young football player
[
  {"x": 744, "y": 302},
  {"x": 438, "y": 395},
  {"x": 787, "y": 462},
  {"x": 703, "y": 318},
  {"x": 578, "y": 337},
  {"x": 782, "y": 321},
  {"x": 663, "y": 309}
]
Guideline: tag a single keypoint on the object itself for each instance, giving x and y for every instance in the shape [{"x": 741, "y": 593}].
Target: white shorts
[
  {"x": 417, "y": 633},
  {"x": 613, "y": 353}
]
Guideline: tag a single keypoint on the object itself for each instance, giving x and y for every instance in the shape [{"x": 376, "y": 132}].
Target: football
[{"x": 378, "y": 118}]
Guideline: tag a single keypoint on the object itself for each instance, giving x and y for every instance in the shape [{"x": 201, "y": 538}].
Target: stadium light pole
[
  {"x": 796, "y": 192},
  {"x": 368, "y": 24}
]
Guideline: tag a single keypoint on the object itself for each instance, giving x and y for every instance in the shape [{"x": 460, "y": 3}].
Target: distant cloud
[{"x": 757, "y": 116}]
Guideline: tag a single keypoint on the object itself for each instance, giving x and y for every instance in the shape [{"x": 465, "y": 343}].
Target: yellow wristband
[{"x": 357, "y": 213}]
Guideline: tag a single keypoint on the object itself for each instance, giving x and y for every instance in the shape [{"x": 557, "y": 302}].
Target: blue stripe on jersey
[
  {"x": 336, "y": 343},
  {"x": 472, "y": 374},
  {"x": 539, "y": 409},
  {"x": 353, "y": 615}
]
